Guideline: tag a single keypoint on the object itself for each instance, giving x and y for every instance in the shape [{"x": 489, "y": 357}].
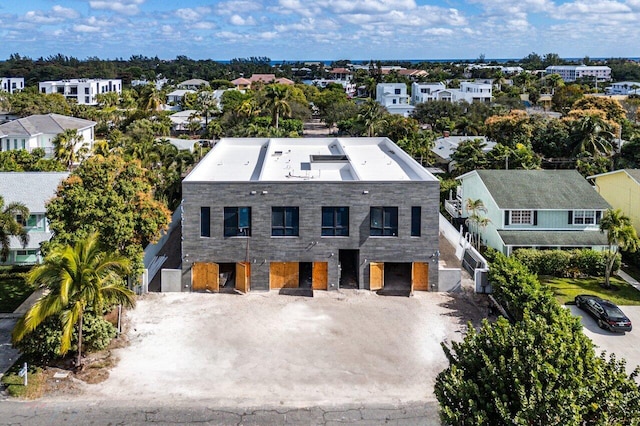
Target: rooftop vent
[
  {"x": 277, "y": 153},
  {"x": 329, "y": 159}
]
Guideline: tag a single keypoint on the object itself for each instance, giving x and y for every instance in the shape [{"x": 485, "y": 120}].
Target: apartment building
[
  {"x": 317, "y": 213},
  {"x": 83, "y": 91}
]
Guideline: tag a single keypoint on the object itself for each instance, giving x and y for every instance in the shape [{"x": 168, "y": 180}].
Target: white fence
[{"x": 471, "y": 258}]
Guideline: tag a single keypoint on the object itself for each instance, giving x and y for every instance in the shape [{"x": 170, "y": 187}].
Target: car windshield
[{"x": 613, "y": 311}]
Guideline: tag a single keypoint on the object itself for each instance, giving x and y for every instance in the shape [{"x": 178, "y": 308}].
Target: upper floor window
[
  {"x": 397, "y": 91},
  {"x": 520, "y": 217},
  {"x": 237, "y": 221},
  {"x": 335, "y": 221},
  {"x": 205, "y": 221},
  {"x": 384, "y": 221},
  {"x": 584, "y": 217},
  {"x": 285, "y": 221},
  {"x": 416, "y": 216}
]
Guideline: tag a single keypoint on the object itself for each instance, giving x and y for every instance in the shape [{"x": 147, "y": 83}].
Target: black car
[{"x": 605, "y": 312}]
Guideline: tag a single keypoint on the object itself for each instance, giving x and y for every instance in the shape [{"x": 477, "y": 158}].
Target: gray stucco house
[
  {"x": 546, "y": 209},
  {"x": 321, "y": 213}
]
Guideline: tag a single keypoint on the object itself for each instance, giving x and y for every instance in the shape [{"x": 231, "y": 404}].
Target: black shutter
[
  {"x": 506, "y": 217},
  {"x": 535, "y": 218},
  {"x": 570, "y": 219},
  {"x": 598, "y": 216}
]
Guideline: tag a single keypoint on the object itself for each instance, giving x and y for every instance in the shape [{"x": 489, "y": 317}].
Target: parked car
[{"x": 605, "y": 312}]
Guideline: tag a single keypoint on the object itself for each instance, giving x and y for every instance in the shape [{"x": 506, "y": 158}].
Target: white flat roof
[{"x": 307, "y": 159}]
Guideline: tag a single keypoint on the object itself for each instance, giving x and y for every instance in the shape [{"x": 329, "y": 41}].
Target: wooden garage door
[
  {"x": 204, "y": 276},
  {"x": 320, "y": 276},
  {"x": 284, "y": 274},
  {"x": 420, "y": 276},
  {"x": 376, "y": 276},
  {"x": 243, "y": 276}
]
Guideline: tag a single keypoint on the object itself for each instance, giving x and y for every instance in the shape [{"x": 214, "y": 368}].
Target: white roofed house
[
  {"x": 39, "y": 131},
  {"x": 83, "y": 90},
  {"x": 11, "y": 84},
  {"x": 34, "y": 190},
  {"x": 394, "y": 97},
  {"x": 425, "y": 92}
]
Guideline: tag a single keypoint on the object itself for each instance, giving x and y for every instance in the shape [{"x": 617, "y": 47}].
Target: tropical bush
[
  {"x": 42, "y": 345},
  {"x": 540, "y": 369},
  {"x": 565, "y": 263}
]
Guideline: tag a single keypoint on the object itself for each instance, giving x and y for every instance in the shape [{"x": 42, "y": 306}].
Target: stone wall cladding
[{"x": 310, "y": 246}]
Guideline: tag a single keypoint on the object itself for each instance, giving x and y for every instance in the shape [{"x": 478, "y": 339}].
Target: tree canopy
[{"x": 111, "y": 196}]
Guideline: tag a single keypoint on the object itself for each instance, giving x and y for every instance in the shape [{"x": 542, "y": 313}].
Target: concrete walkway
[
  {"x": 628, "y": 278},
  {"x": 8, "y": 354}
]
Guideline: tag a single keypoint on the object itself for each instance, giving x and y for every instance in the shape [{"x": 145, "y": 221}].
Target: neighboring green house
[
  {"x": 621, "y": 188},
  {"x": 34, "y": 189},
  {"x": 546, "y": 209}
]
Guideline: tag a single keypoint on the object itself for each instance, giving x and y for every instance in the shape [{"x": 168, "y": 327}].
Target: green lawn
[
  {"x": 13, "y": 288},
  {"x": 566, "y": 289}
]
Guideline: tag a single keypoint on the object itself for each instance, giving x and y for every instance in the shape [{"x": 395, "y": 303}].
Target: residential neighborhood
[{"x": 315, "y": 241}]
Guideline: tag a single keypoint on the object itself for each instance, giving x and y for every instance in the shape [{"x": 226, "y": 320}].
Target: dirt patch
[{"x": 265, "y": 349}]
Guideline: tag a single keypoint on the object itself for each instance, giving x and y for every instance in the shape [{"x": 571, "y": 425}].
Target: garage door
[
  {"x": 204, "y": 276},
  {"x": 376, "y": 276},
  {"x": 243, "y": 276},
  {"x": 420, "y": 276},
  {"x": 320, "y": 275},
  {"x": 283, "y": 275}
]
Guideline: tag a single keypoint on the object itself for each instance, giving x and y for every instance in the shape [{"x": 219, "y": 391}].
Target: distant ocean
[{"x": 416, "y": 61}]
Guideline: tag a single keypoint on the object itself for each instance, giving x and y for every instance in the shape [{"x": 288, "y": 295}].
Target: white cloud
[
  {"x": 369, "y": 6},
  {"x": 189, "y": 14},
  {"x": 240, "y": 21},
  {"x": 239, "y": 6},
  {"x": 65, "y": 12},
  {"x": 203, "y": 25},
  {"x": 57, "y": 14},
  {"x": 125, "y": 7},
  {"x": 82, "y": 28}
]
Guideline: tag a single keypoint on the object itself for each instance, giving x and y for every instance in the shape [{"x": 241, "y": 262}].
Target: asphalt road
[{"x": 207, "y": 413}]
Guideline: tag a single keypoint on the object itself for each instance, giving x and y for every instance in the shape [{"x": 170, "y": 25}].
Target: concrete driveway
[
  {"x": 347, "y": 347},
  {"x": 624, "y": 345}
]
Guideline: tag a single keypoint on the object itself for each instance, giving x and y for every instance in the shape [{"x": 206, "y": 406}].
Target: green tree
[
  {"x": 69, "y": 147},
  {"x": 565, "y": 96},
  {"x": 11, "y": 225},
  {"x": 372, "y": 116},
  {"x": 591, "y": 132},
  {"x": 79, "y": 278},
  {"x": 277, "y": 102},
  {"x": 469, "y": 156},
  {"x": 475, "y": 220},
  {"x": 541, "y": 369},
  {"x": 620, "y": 235},
  {"x": 114, "y": 197}
]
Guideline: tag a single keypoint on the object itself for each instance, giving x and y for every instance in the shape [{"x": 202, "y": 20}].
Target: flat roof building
[
  {"x": 575, "y": 72},
  {"x": 83, "y": 90},
  {"x": 320, "y": 213}
]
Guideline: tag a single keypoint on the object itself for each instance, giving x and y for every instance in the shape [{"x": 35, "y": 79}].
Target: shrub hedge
[{"x": 565, "y": 263}]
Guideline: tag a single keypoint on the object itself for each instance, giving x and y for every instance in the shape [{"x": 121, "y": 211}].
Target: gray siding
[{"x": 310, "y": 246}]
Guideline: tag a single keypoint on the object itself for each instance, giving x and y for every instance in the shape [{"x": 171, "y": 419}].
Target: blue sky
[{"x": 320, "y": 29}]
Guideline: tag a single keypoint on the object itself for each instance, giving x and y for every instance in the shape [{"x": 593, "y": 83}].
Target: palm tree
[
  {"x": 69, "y": 147},
  {"x": 277, "y": 96},
  {"x": 474, "y": 207},
  {"x": 593, "y": 134},
  {"x": 620, "y": 235},
  {"x": 371, "y": 116},
  {"x": 151, "y": 100},
  {"x": 10, "y": 226},
  {"x": 79, "y": 278}
]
